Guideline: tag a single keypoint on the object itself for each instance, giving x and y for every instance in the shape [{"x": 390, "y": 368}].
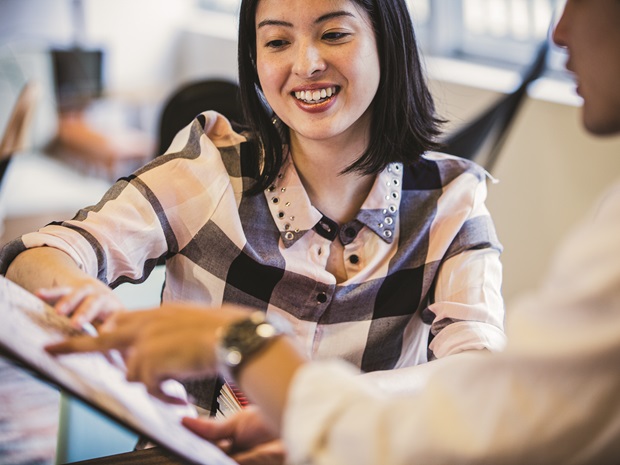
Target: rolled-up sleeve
[
  {"x": 466, "y": 311},
  {"x": 147, "y": 215},
  {"x": 468, "y": 306}
]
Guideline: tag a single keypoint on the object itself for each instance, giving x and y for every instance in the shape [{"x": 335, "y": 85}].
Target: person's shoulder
[
  {"x": 209, "y": 142},
  {"x": 440, "y": 169},
  {"x": 219, "y": 129},
  {"x": 453, "y": 162}
]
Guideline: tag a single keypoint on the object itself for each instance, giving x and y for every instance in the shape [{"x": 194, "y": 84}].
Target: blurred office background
[{"x": 549, "y": 169}]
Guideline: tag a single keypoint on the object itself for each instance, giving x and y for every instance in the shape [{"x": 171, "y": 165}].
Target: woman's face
[{"x": 318, "y": 66}]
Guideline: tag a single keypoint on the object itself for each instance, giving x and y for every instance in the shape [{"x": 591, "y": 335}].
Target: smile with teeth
[{"x": 316, "y": 95}]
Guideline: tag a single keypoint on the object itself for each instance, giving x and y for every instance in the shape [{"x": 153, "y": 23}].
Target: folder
[{"x": 28, "y": 325}]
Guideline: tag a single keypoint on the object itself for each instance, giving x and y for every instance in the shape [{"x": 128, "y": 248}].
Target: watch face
[
  {"x": 266, "y": 330},
  {"x": 232, "y": 357}
]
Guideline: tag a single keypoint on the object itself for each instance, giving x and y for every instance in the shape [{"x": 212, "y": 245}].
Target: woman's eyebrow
[
  {"x": 273, "y": 22},
  {"x": 320, "y": 19},
  {"x": 332, "y": 15}
]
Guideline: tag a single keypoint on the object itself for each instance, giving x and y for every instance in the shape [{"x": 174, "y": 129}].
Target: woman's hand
[
  {"x": 56, "y": 278},
  {"x": 245, "y": 436},
  {"x": 83, "y": 301},
  {"x": 174, "y": 341}
]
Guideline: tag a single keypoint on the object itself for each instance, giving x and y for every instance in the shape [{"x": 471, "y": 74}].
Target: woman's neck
[{"x": 319, "y": 164}]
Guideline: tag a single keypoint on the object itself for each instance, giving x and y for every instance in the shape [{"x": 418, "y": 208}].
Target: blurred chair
[
  {"x": 191, "y": 100},
  {"x": 16, "y": 131},
  {"x": 15, "y": 137},
  {"x": 481, "y": 139}
]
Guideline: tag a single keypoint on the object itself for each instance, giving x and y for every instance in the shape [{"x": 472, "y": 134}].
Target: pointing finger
[{"x": 80, "y": 344}]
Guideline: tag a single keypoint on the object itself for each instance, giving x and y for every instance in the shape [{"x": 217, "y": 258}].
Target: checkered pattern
[{"x": 422, "y": 257}]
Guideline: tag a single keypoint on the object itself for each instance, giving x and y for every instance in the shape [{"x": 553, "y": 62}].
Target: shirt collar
[
  {"x": 294, "y": 215},
  {"x": 379, "y": 211}
]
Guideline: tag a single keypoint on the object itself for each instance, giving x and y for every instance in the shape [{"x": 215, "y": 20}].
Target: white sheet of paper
[{"x": 27, "y": 325}]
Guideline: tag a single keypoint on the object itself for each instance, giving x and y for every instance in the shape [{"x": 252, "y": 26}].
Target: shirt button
[
  {"x": 354, "y": 259},
  {"x": 321, "y": 297}
]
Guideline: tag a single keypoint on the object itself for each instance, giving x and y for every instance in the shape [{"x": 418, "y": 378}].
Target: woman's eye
[
  {"x": 276, "y": 43},
  {"x": 335, "y": 36}
]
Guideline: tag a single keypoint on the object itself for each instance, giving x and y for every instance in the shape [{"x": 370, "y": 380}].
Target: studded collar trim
[{"x": 294, "y": 214}]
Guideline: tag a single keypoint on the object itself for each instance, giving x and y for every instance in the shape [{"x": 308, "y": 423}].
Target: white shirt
[{"x": 552, "y": 397}]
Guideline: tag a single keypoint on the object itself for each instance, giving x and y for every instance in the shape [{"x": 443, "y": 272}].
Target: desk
[
  {"x": 108, "y": 152},
  {"x": 28, "y": 416}
]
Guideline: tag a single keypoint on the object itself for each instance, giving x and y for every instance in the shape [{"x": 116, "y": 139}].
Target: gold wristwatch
[{"x": 242, "y": 340}]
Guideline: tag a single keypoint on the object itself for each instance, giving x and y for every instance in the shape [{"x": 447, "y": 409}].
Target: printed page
[{"x": 28, "y": 325}]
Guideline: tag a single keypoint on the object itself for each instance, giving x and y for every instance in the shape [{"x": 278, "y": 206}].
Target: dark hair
[{"x": 404, "y": 123}]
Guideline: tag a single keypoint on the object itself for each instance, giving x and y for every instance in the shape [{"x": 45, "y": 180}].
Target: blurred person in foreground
[{"x": 551, "y": 397}]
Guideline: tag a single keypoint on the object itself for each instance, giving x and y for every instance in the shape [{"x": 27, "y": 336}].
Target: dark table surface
[{"x": 153, "y": 456}]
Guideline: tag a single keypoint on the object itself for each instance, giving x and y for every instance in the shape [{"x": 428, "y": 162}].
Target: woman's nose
[{"x": 308, "y": 61}]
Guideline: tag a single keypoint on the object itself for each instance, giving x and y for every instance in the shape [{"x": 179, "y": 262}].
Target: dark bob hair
[{"x": 404, "y": 123}]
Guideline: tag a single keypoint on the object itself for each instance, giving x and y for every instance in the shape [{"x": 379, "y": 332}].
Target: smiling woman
[{"x": 317, "y": 53}]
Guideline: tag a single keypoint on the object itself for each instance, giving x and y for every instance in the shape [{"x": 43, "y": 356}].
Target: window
[
  {"x": 502, "y": 32},
  {"x": 222, "y": 6}
]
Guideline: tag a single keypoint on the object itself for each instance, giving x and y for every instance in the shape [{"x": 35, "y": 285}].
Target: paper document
[
  {"x": 230, "y": 400},
  {"x": 28, "y": 325}
]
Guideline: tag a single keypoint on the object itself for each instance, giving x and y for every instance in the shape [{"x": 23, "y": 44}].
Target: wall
[
  {"x": 550, "y": 172},
  {"x": 139, "y": 36},
  {"x": 139, "y": 39}
]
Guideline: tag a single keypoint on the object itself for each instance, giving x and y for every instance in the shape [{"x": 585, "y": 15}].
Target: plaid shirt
[{"x": 421, "y": 257}]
